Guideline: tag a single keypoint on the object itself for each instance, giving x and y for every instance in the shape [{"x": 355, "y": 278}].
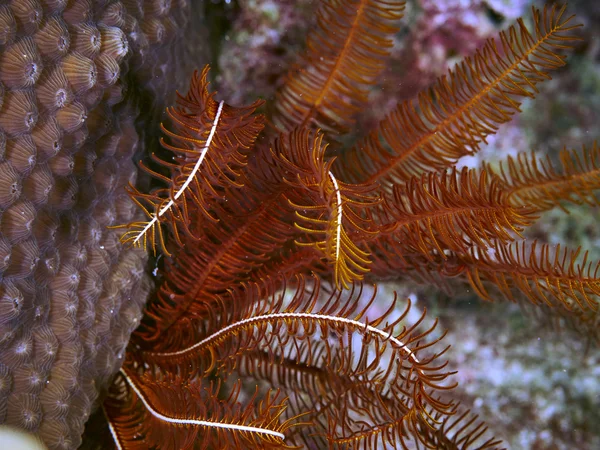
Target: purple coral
[{"x": 70, "y": 295}]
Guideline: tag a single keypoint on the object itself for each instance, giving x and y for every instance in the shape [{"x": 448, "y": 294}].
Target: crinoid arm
[
  {"x": 454, "y": 117},
  {"x": 167, "y": 412},
  {"x": 209, "y": 145},
  {"x": 327, "y": 210},
  {"x": 545, "y": 275},
  {"x": 531, "y": 180},
  {"x": 345, "y": 356},
  {"x": 447, "y": 211},
  {"x": 344, "y": 56}
]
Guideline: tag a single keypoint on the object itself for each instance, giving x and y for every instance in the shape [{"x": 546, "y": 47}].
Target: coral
[{"x": 72, "y": 74}]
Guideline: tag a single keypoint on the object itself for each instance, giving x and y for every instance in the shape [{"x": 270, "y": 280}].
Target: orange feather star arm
[
  {"x": 463, "y": 108},
  {"x": 331, "y": 83},
  {"x": 211, "y": 143}
]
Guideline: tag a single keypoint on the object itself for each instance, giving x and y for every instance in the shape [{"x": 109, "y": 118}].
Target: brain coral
[{"x": 70, "y": 76}]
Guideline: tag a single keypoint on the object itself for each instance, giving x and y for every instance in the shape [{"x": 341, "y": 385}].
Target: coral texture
[{"x": 67, "y": 133}]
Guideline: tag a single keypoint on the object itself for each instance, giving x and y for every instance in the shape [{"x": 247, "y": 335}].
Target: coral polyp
[{"x": 68, "y": 137}]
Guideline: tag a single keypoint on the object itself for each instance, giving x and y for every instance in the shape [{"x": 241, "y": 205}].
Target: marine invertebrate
[
  {"x": 67, "y": 136},
  {"x": 267, "y": 233}
]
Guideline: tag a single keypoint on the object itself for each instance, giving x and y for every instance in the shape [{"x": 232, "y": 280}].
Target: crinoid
[{"x": 261, "y": 333}]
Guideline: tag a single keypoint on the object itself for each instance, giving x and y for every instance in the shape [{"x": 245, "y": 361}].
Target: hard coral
[{"x": 70, "y": 295}]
